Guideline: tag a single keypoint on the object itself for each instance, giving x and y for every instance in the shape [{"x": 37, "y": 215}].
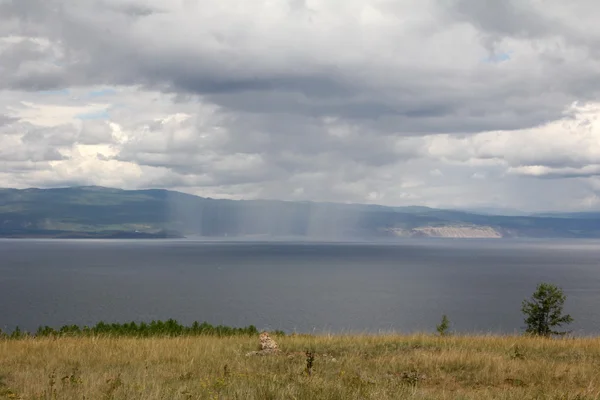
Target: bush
[{"x": 132, "y": 329}]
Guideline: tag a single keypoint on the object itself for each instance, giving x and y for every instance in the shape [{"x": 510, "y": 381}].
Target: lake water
[{"x": 295, "y": 286}]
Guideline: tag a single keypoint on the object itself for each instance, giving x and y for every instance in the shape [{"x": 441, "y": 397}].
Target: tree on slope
[{"x": 543, "y": 312}]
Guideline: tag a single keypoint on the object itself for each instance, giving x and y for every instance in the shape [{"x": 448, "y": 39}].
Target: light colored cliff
[{"x": 450, "y": 232}]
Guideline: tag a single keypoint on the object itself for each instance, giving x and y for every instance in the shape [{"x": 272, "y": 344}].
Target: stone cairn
[{"x": 267, "y": 346}]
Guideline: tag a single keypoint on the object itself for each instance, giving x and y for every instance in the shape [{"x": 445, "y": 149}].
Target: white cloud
[
  {"x": 353, "y": 101},
  {"x": 52, "y": 115},
  {"x": 567, "y": 144}
]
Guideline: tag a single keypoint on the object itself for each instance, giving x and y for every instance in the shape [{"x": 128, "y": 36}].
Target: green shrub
[{"x": 132, "y": 329}]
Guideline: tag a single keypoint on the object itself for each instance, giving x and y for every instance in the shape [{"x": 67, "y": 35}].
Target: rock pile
[
  {"x": 267, "y": 343},
  {"x": 267, "y": 346}
]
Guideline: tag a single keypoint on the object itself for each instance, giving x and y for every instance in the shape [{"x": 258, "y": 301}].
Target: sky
[{"x": 442, "y": 103}]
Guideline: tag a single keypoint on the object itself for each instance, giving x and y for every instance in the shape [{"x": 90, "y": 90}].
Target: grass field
[{"x": 344, "y": 367}]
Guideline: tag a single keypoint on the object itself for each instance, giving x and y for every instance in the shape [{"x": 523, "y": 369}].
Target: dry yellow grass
[{"x": 345, "y": 367}]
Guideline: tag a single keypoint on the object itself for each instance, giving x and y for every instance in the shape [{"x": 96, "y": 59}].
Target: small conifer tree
[{"x": 444, "y": 326}]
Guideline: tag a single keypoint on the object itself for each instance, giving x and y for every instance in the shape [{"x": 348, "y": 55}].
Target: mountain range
[{"x": 98, "y": 212}]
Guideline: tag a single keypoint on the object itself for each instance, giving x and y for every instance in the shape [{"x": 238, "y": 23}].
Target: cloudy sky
[{"x": 445, "y": 103}]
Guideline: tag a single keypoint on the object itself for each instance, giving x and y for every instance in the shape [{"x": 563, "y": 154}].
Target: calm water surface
[{"x": 304, "y": 287}]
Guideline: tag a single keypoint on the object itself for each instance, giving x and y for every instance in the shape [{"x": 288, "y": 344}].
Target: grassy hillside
[
  {"x": 105, "y": 212},
  {"x": 345, "y": 367}
]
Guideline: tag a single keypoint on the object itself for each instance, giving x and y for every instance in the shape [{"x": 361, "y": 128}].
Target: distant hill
[{"x": 99, "y": 212}]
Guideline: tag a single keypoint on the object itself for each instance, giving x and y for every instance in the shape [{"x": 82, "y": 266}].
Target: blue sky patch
[
  {"x": 496, "y": 58},
  {"x": 61, "y": 92},
  {"x": 94, "y": 115},
  {"x": 102, "y": 92}
]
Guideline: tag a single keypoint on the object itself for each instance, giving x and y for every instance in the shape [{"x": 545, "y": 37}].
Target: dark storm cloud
[
  {"x": 31, "y": 154},
  {"x": 102, "y": 46},
  {"x": 134, "y": 10},
  {"x": 503, "y": 18},
  {"x": 572, "y": 24},
  {"x": 94, "y": 132},
  {"x": 21, "y": 52},
  {"x": 64, "y": 135}
]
